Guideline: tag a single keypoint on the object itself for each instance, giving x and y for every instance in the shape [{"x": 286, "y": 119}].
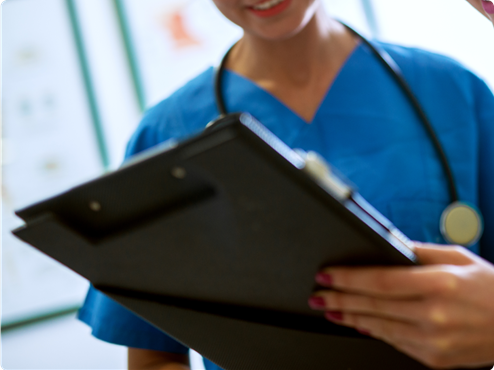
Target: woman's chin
[
  {"x": 290, "y": 25},
  {"x": 275, "y": 32},
  {"x": 274, "y": 36}
]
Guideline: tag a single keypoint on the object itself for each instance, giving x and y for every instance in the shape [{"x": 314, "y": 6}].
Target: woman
[
  {"x": 317, "y": 87},
  {"x": 441, "y": 314}
]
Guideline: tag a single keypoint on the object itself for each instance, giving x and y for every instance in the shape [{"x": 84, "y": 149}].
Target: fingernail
[
  {"x": 324, "y": 279},
  {"x": 364, "y": 332},
  {"x": 334, "y": 315},
  {"x": 317, "y": 302}
]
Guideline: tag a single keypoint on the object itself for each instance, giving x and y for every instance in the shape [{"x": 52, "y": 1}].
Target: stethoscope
[{"x": 460, "y": 223}]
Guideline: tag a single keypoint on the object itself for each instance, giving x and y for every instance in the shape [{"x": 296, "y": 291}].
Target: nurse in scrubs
[{"x": 318, "y": 87}]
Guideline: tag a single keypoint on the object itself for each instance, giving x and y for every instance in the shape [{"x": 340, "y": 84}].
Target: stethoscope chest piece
[{"x": 461, "y": 224}]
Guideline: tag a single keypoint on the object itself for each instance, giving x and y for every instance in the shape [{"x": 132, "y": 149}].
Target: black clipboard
[{"x": 216, "y": 241}]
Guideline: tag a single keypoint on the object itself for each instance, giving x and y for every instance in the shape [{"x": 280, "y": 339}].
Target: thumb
[{"x": 435, "y": 254}]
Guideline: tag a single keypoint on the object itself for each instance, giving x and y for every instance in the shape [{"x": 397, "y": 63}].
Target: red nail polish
[
  {"x": 334, "y": 315},
  {"x": 364, "y": 332},
  {"x": 317, "y": 302},
  {"x": 324, "y": 279}
]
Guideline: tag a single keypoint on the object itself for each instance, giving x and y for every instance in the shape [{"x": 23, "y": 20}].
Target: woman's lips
[{"x": 269, "y": 8}]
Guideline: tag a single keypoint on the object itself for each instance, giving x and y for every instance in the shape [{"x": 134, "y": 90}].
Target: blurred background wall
[{"x": 76, "y": 78}]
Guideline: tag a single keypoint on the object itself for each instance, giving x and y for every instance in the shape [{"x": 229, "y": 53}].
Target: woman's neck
[
  {"x": 297, "y": 60},
  {"x": 298, "y": 71}
]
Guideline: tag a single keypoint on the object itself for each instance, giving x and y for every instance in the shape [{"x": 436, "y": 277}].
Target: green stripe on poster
[
  {"x": 131, "y": 53},
  {"x": 64, "y": 311},
  {"x": 88, "y": 84}
]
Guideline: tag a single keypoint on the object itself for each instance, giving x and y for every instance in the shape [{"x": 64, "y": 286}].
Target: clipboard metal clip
[{"x": 320, "y": 171}]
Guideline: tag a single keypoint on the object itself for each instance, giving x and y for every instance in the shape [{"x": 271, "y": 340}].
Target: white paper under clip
[{"x": 317, "y": 168}]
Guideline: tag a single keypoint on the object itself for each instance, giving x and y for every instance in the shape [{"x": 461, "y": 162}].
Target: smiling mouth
[{"x": 267, "y": 5}]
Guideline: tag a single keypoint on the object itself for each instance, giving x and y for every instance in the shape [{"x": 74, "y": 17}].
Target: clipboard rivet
[
  {"x": 178, "y": 172},
  {"x": 94, "y": 206}
]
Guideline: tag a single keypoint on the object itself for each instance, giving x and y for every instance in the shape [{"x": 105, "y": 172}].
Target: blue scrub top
[{"x": 367, "y": 129}]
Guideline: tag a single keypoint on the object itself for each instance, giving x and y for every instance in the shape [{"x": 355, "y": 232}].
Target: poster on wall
[
  {"x": 175, "y": 40},
  {"x": 49, "y": 145}
]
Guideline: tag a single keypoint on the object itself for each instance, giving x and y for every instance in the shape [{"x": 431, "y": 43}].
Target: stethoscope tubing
[
  {"x": 218, "y": 84},
  {"x": 392, "y": 67},
  {"x": 389, "y": 63}
]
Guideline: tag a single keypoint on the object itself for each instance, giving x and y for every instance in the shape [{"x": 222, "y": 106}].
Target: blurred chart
[
  {"x": 175, "y": 40},
  {"x": 49, "y": 146}
]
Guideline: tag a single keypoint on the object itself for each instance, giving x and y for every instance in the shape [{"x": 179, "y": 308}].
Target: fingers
[
  {"x": 436, "y": 350},
  {"x": 413, "y": 312},
  {"x": 439, "y": 313},
  {"x": 393, "y": 282},
  {"x": 430, "y": 314},
  {"x": 384, "y": 329}
]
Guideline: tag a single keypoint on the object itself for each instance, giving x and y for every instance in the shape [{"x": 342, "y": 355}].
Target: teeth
[{"x": 268, "y": 4}]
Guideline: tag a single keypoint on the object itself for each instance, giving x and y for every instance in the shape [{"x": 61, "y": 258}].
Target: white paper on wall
[
  {"x": 51, "y": 146},
  {"x": 175, "y": 40},
  {"x": 452, "y": 28}
]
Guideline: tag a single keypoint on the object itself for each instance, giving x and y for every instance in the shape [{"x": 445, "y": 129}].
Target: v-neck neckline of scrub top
[{"x": 340, "y": 75}]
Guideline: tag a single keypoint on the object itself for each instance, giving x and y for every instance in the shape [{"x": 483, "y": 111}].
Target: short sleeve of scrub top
[{"x": 367, "y": 129}]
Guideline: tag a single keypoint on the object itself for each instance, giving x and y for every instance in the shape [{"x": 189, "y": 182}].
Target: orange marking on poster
[{"x": 175, "y": 24}]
